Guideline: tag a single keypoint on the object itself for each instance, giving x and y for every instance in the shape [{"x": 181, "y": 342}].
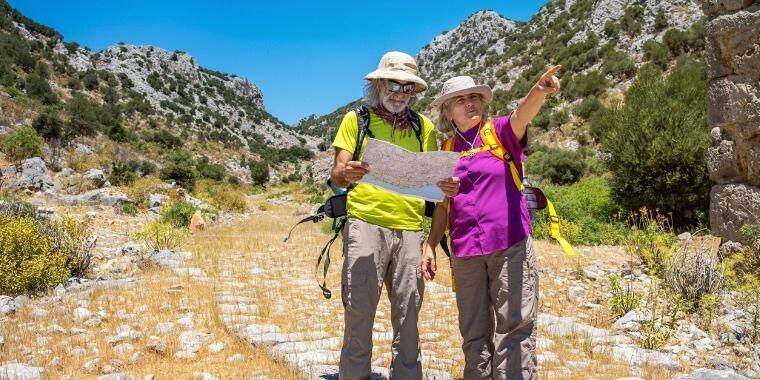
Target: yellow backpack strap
[
  {"x": 448, "y": 144},
  {"x": 488, "y": 135},
  {"x": 555, "y": 230}
]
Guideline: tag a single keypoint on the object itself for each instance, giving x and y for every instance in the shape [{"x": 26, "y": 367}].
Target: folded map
[{"x": 408, "y": 173}]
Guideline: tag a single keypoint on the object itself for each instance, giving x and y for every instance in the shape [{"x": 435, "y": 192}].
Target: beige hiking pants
[
  {"x": 505, "y": 285},
  {"x": 373, "y": 255}
]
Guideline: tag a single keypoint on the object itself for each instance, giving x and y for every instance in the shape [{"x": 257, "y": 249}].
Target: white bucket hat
[
  {"x": 462, "y": 85},
  {"x": 398, "y": 66}
]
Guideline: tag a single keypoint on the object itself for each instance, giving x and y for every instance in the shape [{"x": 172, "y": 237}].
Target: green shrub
[
  {"x": 166, "y": 139},
  {"x": 619, "y": 64},
  {"x": 558, "y": 166},
  {"x": 90, "y": 80},
  {"x": 129, "y": 209},
  {"x": 22, "y": 143},
  {"x": 582, "y": 85},
  {"x": 660, "y": 20},
  {"x": 651, "y": 240},
  {"x": 657, "y": 142},
  {"x": 141, "y": 188},
  {"x": 259, "y": 172},
  {"x": 178, "y": 213},
  {"x": 587, "y": 107},
  {"x": 147, "y": 168},
  {"x": 157, "y": 235},
  {"x": 38, "y": 253},
  {"x": 623, "y": 300},
  {"x": 657, "y": 53},
  {"x": 631, "y": 21},
  {"x": 611, "y": 29},
  {"x": 179, "y": 166},
  {"x": 27, "y": 261},
  {"x": 587, "y": 212},
  {"x": 38, "y": 88},
  {"x": 87, "y": 117},
  {"x": 665, "y": 311},
  {"x": 743, "y": 267},
  {"x": 206, "y": 169},
  {"x": 48, "y": 124},
  {"x": 222, "y": 196},
  {"x": 122, "y": 173}
]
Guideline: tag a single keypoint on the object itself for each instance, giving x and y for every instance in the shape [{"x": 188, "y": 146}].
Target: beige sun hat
[
  {"x": 462, "y": 85},
  {"x": 398, "y": 66}
]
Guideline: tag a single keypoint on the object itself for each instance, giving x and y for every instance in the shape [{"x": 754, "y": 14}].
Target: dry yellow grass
[{"x": 248, "y": 258}]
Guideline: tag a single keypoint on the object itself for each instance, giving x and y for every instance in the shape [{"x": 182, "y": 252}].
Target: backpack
[
  {"x": 534, "y": 197},
  {"x": 335, "y": 206}
]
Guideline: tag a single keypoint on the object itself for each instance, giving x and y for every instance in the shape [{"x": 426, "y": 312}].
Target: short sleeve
[
  {"x": 508, "y": 139},
  {"x": 429, "y": 140},
  {"x": 347, "y": 131}
]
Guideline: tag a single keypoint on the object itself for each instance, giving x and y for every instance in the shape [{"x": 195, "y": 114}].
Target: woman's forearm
[{"x": 526, "y": 111}]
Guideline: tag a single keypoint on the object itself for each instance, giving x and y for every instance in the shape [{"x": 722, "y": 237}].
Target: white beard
[{"x": 393, "y": 106}]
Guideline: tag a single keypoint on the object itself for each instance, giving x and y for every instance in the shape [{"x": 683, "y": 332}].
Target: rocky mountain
[
  {"x": 177, "y": 88},
  {"x": 128, "y": 105},
  {"x": 600, "y": 43}
]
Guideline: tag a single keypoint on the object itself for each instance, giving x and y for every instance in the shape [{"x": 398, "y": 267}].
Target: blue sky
[{"x": 308, "y": 57}]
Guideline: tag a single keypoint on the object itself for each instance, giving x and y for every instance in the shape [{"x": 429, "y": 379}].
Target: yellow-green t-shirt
[{"x": 374, "y": 204}]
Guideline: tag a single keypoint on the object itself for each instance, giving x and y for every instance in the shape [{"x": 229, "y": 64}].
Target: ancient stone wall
[{"x": 733, "y": 108}]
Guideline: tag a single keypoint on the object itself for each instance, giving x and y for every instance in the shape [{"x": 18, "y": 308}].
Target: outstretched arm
[{"x": 548, "y": 84}]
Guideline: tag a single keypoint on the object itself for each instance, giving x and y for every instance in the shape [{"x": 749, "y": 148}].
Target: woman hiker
[
  {"x": 383, "y": 232},
  {"x": 493, "y": 256}
]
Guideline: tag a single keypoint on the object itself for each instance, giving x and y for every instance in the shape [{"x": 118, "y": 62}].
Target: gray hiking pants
[
  {"x": 373, "y": 255},
  {"x": 505, "y": 285}
]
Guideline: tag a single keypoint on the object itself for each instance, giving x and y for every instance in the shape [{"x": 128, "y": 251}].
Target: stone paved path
[{"x": 269, "y": 297}]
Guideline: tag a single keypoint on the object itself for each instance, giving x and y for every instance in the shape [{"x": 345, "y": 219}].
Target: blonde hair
[
  {"x": 373, "y": 94},
  {"x": 445, "y": 124}
]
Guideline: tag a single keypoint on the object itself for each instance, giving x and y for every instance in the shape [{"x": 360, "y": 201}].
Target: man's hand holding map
[{"x": 409, "y": 173}]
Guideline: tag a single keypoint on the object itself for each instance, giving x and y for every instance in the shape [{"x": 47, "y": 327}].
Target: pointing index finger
[{"x": 553, "y": 70}]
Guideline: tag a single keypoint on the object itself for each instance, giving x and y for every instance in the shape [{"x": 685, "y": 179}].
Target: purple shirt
[{"x": 489, "y": 213}]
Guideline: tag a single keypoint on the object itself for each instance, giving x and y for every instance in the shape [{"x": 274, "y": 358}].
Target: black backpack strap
[
  {"x": 324, "y": 257},
  {"x": 362, "y": 118},
  {"x": 414, "y": 117}
]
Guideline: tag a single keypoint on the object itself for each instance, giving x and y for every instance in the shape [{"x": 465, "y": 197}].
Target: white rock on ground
[
  {"x": 124, "y": 333},
  {"x": 7, "y": 305},
  {"x": 18, "y": 371},
  {"x": 191, "y": 341}
]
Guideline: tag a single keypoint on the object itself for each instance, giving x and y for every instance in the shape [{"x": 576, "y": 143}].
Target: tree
[
  {"x": 259, "y": 172},
  {"x": 657, "y": 142},
  {"x": 179, "y": 166},
  {"x": 39, "y": 88},
  {"x": 48, "y": 124}
]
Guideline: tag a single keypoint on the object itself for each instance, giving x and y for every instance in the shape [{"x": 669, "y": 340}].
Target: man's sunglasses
[{"x": 398, "y": 87}]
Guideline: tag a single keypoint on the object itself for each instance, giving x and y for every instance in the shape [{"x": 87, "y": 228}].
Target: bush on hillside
[
  {"x": 38, "y": 88},
  {"x": 122, "y": 173},
  {"x": 657, "y": 142},
  {"x": 179, "y": 167},
  {"x": 37, "y": 253},
  {"x": 259, "y": 172},
  {"x": 49, "y": 124},
  {"x": 558, "y": 166},
  {"x": 22, "y": 143},
  {"x": 178, "y": 214}
]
